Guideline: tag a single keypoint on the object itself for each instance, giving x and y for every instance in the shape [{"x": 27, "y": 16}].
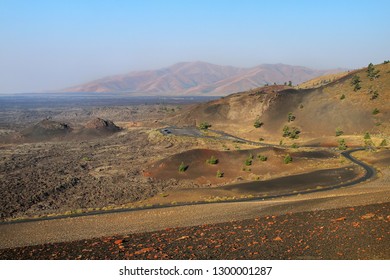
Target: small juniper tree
[
  {"x": 367, "y": 135},
  {"x": 383, "y": 143},
  {"x": 371, "y": 72},
  {"x": 219, "y": 174},
  {"x": 342, "y": 97},
  {"x": 375, "y": 111},
  {"x": 356, "y": 83}
]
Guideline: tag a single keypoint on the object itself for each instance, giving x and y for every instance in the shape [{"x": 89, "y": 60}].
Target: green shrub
[
  {"x": 248, "y": 162},
  {"x": 371, "y": 72},
  {"x": 293, "y": 134},
  {"x": 286, "y": 131},
  {"x": 212, "y": 160},
  {"x": 367, "y": 135},
  {"x": 290, "y": 117},
  {"x": 219, "y": 174},
  {"x": 375, "y": 111},
  {"x": 183, "y": 167},
  {"x": 342, "y": 97},
  {"x": 294, "y": 146},
  {"x": 258, "y": 123},
  {"x": 339, "y": 132},
  {"x": 356, "y": 83},
  {"x": 383, "y": 143},
  {"x": 262, "y": 158},
  {"x": 287, "y": 159},
  {"x": 374, "y": 94},
  {"x": 342, "y": 145},
  {"x": 204, "y": 125}
]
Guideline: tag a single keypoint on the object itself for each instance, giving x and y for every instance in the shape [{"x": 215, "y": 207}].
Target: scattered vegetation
[
  {"x": 287, "y": 159},
  {"x": 342, "y": 97},
  {"x": 183, "y": 167},
  {"x": 219, "y": 174},
  {"x": 261, "y": 139},
  {"x": 356, "y": 83},
  {"x": 372, "y": 73},
  {"x": 342, "y": 145},
  {"x": 258, "y": 123},
  {"x": 339, "y": 132},
  {"x": 375, "y": 111},
  {"x": 212, "y": 160},
  {"x": 204, "y": 125},
  {"x": 367, "y": 136}
]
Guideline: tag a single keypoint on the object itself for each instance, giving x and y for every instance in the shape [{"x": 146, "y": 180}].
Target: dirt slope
[{"x": 316, "y": 112}]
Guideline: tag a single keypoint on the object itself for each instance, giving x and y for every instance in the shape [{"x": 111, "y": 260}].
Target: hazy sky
[{"x": 55, "y": 44}]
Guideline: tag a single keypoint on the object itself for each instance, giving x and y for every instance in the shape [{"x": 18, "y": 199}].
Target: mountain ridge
[{"x": 200, "y": 78}]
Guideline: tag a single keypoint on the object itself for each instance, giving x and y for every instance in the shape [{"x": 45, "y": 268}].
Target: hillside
[
  {"x": 315, "y": 112},
  {"x": 193, "y": 78}
]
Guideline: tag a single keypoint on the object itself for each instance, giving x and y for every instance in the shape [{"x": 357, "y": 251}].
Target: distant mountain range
[{"x": 200, "y": 78}]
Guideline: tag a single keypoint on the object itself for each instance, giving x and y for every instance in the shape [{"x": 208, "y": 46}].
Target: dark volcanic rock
[
  {"x": 46, "y": 129},
  {"x": 103, "y": 125}
]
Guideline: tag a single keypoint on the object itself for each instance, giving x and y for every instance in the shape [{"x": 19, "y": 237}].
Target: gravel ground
[{"x": 361, "y": 232}]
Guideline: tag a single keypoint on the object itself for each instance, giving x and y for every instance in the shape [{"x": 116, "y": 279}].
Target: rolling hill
[
  {"x": 313, "y": 113},
  {"x": 194, "y": 78}
]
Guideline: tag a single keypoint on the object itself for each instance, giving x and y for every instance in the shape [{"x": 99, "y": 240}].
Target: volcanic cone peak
[
  {"x": 46, "y": 129},
  {"x": 101, "y": 124},
  {"x": 48, "y": 124}
]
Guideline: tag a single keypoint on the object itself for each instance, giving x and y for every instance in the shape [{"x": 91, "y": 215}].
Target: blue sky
[{"x": 55, "y": 44}]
